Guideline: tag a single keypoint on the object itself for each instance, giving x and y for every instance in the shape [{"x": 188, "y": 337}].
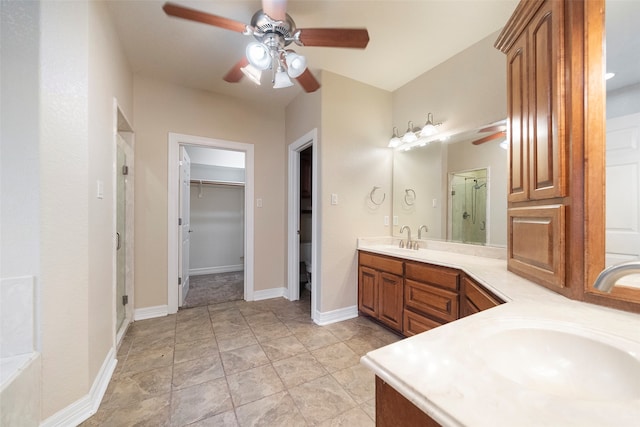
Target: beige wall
[
  {"x": 109, "y": 77},
  {"x": 161, "y": 108},
  {"x": 464, "y": 92},
  {"x": 81, "y": 71},
  {"x": 356, "y": 121}
]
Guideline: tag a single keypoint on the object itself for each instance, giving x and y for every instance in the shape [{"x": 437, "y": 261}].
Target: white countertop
[{"x": 442, "y": 372}]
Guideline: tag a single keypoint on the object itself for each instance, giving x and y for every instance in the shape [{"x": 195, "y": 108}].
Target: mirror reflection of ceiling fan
[
  {"x": 274, "y": 30},
  {"x": 498, "y": 131}
]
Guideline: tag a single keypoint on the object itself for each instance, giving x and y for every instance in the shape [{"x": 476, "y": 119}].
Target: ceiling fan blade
[
  {"x": 235, "y": 74},
  {"x": 276, "y": 9},
  {"x": 335, "y": 37},
  {"x": 488, "y": 138},
  {"x": 494, "y": 128},
  {"x": 308, "y": 81},
  {"x": 206, "y": 18}
]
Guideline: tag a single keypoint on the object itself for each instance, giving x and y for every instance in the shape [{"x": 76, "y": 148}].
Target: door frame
[
  {"x": 293, "y": 222},
  {"x": 174, "y": 142},
  {"x": 122, "y": 128}
]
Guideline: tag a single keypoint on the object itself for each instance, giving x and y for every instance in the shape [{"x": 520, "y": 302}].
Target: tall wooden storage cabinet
[{"x": 535, "y": 44}]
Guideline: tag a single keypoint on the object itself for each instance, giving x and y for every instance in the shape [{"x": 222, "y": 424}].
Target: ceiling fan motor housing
[{"x": 273, "y": 33}]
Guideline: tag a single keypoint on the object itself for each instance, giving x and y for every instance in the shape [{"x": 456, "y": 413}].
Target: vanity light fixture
[
  {"x": 411, "y": 133},
  {"x": 608, "y": 76},
  {"x": 429, "y": 128},
  {"x": 395, "y": 140}
]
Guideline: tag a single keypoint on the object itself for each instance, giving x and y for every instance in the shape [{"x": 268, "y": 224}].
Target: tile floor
[
  {"x": 241, "y": 363},
  {"x": 215, "y": 288}
]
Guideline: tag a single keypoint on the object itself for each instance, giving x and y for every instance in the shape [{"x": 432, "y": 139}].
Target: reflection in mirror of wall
[
  {"x": 425, "y": 170},
  {"x": 623, "y": 134}
]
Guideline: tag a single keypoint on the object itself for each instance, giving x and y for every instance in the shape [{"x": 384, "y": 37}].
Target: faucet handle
[{"x": 401, "y": 245}]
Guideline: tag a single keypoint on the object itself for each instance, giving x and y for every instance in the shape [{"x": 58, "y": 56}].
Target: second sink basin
[{"x": 569, "y": 364}]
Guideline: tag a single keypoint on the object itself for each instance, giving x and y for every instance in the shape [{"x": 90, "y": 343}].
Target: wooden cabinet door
[
  {"x": 390, "y": 300},
  {"x": 368, "y": 291},
  {"x": 547, "y": 145},
  {"x": 517, "y": 112},
  {"x": 475, "y": 298}
]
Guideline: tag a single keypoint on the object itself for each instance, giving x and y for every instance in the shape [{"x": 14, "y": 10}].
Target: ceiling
[{"x": 407, "y": 38}]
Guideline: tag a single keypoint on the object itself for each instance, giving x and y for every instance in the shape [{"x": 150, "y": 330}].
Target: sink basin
[{"x": 568, "y": 364}]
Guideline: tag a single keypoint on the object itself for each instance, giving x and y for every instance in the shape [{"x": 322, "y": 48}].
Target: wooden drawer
[
  {"x": 382, "y": 263},
  {"x": 432, "y": 300},
  {"x": 439, "y": 276},
  {"x": 478, "y": 297},
  {"x": 415, "y": 323}
]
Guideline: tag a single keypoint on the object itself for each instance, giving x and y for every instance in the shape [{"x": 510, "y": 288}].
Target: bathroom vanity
[{"x": 489, "y": 368}]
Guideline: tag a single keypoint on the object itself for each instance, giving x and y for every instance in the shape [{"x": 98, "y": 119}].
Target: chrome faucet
[
  {"x": 609, "y": 276},
  {"x": 406, "y": 227},
  {"x": 420, "y": 231}
]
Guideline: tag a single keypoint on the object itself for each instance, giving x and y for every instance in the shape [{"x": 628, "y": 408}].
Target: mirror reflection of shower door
[
  {"x": 468, "y": 206},
  {"x": 121, "y": 203}
]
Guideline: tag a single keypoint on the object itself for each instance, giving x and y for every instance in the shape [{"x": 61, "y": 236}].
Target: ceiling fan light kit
[
  {"x": 274, "y": 30},
  {"x": 252, "y": 73},
  {"x": 281, "y": 79}
]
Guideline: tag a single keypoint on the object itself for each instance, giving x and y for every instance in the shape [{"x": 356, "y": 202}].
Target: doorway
[
  {"x": 468, "y": 206},
  {"x": 123, "y": 208},
  {"x": 176, "y": 141},
  {"x": 303, "y": 212},
  {"x": 214, "y": 201}
]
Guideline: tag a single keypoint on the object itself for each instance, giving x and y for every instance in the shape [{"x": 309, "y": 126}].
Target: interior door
[
  {"x": 184, "y": 214},
  {"x": 623, "y": 189}
]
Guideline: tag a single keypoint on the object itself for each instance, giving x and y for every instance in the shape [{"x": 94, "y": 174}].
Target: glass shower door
[{"x": 121, "y": 202}]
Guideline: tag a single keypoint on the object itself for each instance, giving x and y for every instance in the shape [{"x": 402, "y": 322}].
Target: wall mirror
[
  {"x": 456, "y": 188},
  {"x": 622, "y": 35}
]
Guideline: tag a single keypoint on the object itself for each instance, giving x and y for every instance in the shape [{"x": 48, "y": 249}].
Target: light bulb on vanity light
[{"x": 410, "y": 135}]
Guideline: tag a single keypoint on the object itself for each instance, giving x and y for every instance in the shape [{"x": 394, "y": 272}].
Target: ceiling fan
[
  {"x": 499, "y": 131},
  {"x": 274, "y": 31}
]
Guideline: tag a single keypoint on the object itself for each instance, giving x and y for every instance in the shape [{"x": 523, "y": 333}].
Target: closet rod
[{"x": 229, "y": 183}]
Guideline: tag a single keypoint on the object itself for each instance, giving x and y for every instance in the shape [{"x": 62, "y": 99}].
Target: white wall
[
  {"x": 19, "y": 174},
  {"x": 217, "y": 225}
]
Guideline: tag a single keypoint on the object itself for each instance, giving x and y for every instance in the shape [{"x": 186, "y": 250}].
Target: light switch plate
[
  {"x": 334, "y": 199},
  {"x": 100, "y": 189},
  {"x": 259, "y": 202}
]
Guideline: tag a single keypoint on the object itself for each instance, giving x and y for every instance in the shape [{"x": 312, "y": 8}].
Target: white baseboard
[
  {"x": 269, "y": 293},
  {"x": 150, "y": 312},
  {"x": 214, "y": 270},
  {"x": 88, "y": 405},
  {"x": 333, "y": 316}
]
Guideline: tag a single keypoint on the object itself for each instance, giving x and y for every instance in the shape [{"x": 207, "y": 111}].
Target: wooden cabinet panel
[
  {"x": 536, "y": 246},
  {"x": 390, "y": 300},
  {"x": 415, "y": 323},
  {"x": 368, "y": 291},
  {"x": 517, "y": 109},
  {"x": 431, "y": 300},
  {"x": 476, "y": 298},
  {"x": 393, "y": 409},
  {"x": 547, "y": 161},
  {"x": 440, "y": 276}
]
